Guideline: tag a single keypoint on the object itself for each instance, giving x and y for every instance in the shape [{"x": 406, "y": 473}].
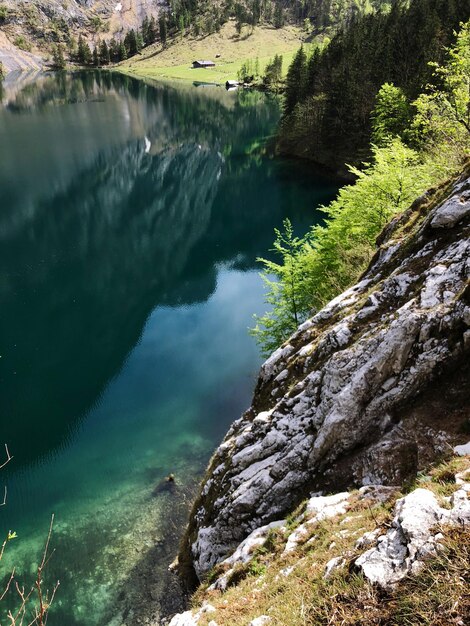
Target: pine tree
[
  {"x": 84, "y": 56},
  {"x": 278, "y": 19},
  {"x": 122, "y": 52},
  {"x": 163, "y": 30},
  {"x": 58, "y": 58},
  {"x": 312, "y": 70},
  {"x": 296, "y": 81},
  {"x": 152, "y": 31},
  {"x": 273, "y": 73},
  {"x": 132, "y": 43},
  {"x": 145, "y": 30},
  {"x": 96, "y": 58},
  {"x": 105, "y": 58},
  {"x": 114, "y": 50}
]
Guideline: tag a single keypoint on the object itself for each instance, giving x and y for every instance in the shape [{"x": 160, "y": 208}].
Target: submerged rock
[{"x": 363, "y": 393}]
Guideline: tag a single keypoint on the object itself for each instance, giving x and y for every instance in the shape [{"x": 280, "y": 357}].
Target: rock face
[
  {"x": 363, "y": 393},
  {"x": 38, "y": 25}
]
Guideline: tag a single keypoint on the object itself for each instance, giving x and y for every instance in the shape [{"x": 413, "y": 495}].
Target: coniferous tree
[
  {"x": 145, "y": 30},
  {"x": 131, "y": 41},
  {"x": 278, "y": 18},
  {"x": 122, "y": 52},
  {"x": 96, "y": 58},
  {"x": 296, "y": 81},
  {"x": 58, "y": 58},
  {"x": 273, "y": 73},
  {"x": 84, "y": 55},
  {"x": 312, "y": 71},
  {"x": 72, "y": 48},
  {"x": 105, "y": 58},
  {"x": 152, "y": 30},
  {"x": 163, "y": 30},
  {"x": 114, "y": 50}
]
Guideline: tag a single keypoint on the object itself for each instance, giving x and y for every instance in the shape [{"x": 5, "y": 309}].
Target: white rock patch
[{"x": 413, "y": 536}]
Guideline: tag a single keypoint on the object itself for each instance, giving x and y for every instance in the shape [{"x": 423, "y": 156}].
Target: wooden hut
[{"x": 203, "y": 64}]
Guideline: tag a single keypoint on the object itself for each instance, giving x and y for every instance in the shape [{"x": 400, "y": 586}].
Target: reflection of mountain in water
[{"x": 135, "y": 206}]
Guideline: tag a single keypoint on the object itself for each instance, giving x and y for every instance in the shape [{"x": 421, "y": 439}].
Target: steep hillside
[
  {"x": 28, "y": 27},
  {"x": 52, "y": 21},
  {"x": 40, "y": 26},
  {"x": 368, "y": 391},
  {"x": 331, "y": 94},
  {"x": 360, "y": 558}
]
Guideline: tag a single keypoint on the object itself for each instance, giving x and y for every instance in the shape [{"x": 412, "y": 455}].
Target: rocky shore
[{"x": 368, "y": 392}]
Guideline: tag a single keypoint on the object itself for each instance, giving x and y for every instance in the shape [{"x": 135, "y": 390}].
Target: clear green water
[{"x": 131, "y": 216}]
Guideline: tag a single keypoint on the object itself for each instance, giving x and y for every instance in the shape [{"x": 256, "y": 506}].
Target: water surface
[{"x": 131, "y": 217}]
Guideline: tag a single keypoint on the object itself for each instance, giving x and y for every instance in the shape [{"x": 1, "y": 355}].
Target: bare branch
[
  {"x": 8, "y": 457},
  {"x": 5, "y": 493}
]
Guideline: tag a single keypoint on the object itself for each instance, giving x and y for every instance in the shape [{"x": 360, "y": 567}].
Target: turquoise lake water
[{"x": 131, "y": 217}]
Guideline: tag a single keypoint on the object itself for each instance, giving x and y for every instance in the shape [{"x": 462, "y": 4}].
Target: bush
[
  {"x": 21, "y": 43},
  {"x": 314, "y": 269}
]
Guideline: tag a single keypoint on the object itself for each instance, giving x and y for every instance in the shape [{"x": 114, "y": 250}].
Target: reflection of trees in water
[
  {"x": 84, "y": 275},
  {"x": 90, "y": 262},
  {"x": 87, "y": 263}
]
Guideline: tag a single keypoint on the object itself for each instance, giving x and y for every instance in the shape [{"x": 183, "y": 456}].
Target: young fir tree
[
  {"x": 122, "y": 52},
  {"x": 96, "y": 57},
  {"x": 151, "y": 31},
  {"x": 84, "y": 55},
  {"x": 296, "y": 81},
  {"x": 145, "y": 30},
  {"x": 105, "y": 58},
  {"x": 58, "y": 58},
  {"x": 273, "y": 73},
  {"x": 163, "y": 30},
  {"x": 278, "y": 18},
  {"x": 131, "y": 42},
  {"x": 140, "y": 40},
  {"x": 114, "y": 50}
]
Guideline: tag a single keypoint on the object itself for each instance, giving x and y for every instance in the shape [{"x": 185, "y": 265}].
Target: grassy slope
[
  {"x": 303, "y": 597},
  {"x": 175, "y": 61}
]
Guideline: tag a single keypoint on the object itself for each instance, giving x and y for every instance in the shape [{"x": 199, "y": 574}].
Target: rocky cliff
[
  {"x": 33, "y": 27},
  {"x": 367, "y": 391}
]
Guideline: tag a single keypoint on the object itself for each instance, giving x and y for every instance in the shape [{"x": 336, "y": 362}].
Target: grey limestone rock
[
  {"x": 413, "y": 537},
  {"x": 344, "y": 384}
]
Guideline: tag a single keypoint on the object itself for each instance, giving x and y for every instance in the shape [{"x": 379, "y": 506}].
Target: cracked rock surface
[
  {"x": 348, "y": 400},
  {"x": 414, "y": 535}
]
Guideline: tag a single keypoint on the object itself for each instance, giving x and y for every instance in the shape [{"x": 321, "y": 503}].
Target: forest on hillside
[
  {"x": 387, "y": 101},
  {"x": 331, "y": 94}
]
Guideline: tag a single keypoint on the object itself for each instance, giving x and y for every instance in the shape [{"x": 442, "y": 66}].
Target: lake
[{"x": 131, "y": 218}]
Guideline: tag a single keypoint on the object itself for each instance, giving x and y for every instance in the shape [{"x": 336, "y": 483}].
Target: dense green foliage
[
  {"x": 273, "y": 73},
  {"x": 330, "y": 96},
  {"x": 421, "y": 143}
]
